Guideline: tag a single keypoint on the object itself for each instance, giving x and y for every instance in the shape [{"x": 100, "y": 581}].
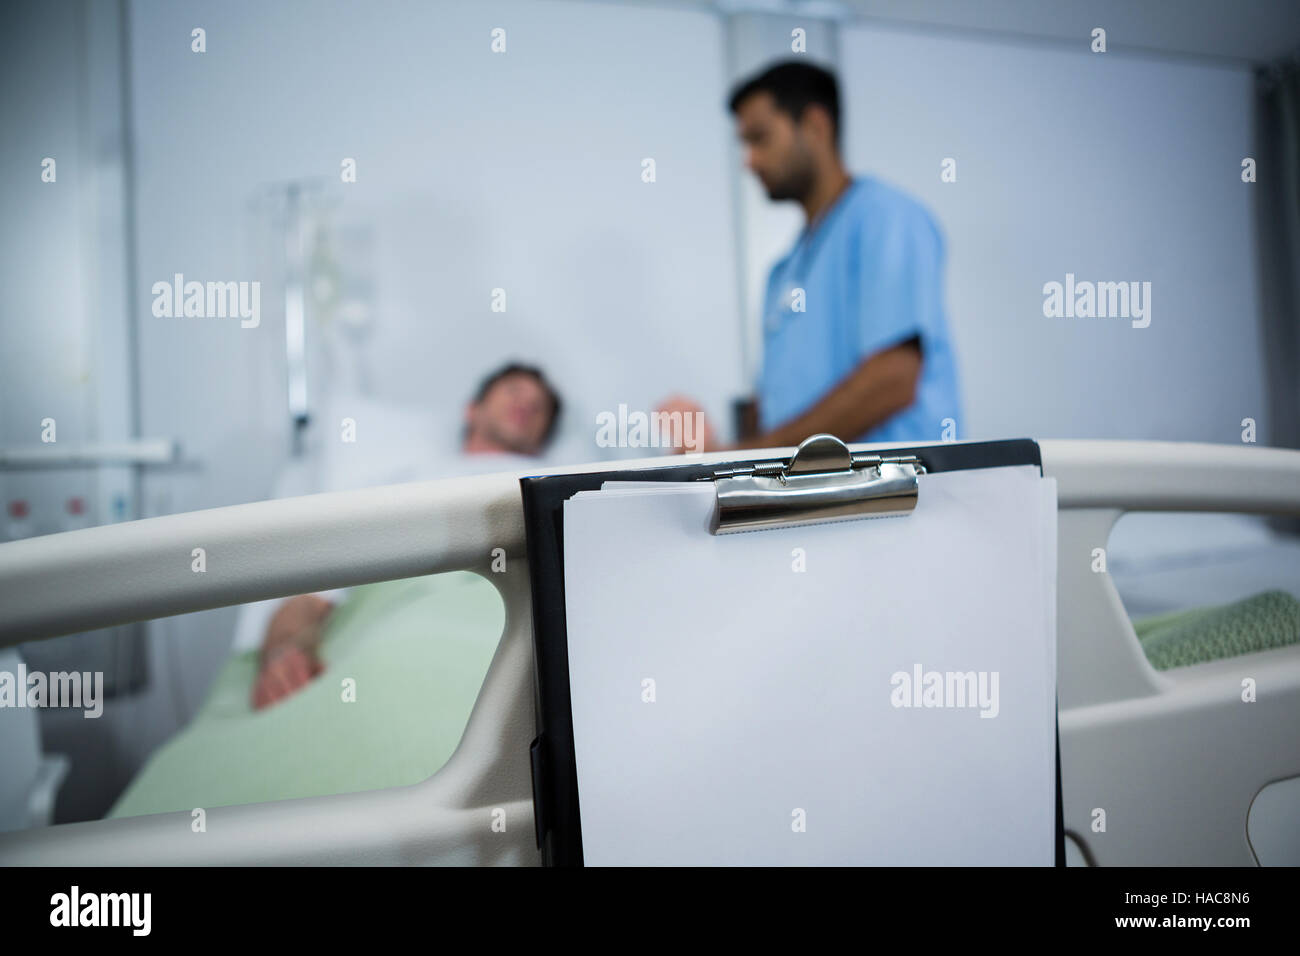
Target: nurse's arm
[{"x": 880, "y": 387}]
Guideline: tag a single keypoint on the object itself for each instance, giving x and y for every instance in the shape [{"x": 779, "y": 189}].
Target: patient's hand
[
  {"x": 288, "y": 660},
  {"x": 293, "y": 619},
  {"x": 283, "y": 674}
]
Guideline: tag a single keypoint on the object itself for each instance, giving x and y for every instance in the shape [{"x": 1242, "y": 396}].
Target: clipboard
[{"x": 824, "y": 481}]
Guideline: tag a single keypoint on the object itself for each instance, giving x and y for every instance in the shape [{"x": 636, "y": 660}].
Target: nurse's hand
[{"x": 699, "y": 432}]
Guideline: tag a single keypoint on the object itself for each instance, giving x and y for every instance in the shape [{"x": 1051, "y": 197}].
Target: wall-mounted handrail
[{"x": 156, "y": 451}]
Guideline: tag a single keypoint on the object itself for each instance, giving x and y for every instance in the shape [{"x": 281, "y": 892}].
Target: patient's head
[{"x": 515, "y": 410}]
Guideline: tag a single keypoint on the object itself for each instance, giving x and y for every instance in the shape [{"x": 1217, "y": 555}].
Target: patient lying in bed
[
  {"x": 510, "y": 419},
  {"x": 360, "y": 689}
]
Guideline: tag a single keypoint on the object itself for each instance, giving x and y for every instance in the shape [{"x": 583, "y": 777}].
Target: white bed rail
[{"x": 89, "y": 579}]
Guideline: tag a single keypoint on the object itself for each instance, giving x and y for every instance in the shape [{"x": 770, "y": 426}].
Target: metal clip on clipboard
[{"x": 823, "y": 481}]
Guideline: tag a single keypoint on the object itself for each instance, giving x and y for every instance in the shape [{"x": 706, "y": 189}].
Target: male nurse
[{"x": 855, "y": 341}]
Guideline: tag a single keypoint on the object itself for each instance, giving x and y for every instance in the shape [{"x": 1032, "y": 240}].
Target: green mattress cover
[
  {"x": 1257, "y": 623},
  {"x": 418, "y": 651}
]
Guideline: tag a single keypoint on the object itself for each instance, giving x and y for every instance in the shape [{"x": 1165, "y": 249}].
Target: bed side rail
[{"x": 139, "y": 570}]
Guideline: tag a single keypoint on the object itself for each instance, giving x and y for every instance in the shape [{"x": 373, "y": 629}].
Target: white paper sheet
[{"x": 777, "y": 732}]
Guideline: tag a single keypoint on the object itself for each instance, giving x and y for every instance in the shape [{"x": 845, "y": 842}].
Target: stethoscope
[{"x": 792, "y": 276}]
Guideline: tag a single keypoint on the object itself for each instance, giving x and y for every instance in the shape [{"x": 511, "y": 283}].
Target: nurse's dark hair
[
  {"x": 518, "y": 368},
  {"x": 795, "y": 86}
]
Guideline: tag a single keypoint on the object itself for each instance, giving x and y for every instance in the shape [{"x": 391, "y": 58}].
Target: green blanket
[
  {"x": 1257, "y": 623},
  {"x": 418, "y": 651}
]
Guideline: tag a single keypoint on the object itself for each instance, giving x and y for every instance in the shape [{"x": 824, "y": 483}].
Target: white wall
[{"x": 1108, "y": 166}]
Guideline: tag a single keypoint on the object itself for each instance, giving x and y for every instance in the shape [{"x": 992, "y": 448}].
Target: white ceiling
[{"x": 1254, "y": 30}]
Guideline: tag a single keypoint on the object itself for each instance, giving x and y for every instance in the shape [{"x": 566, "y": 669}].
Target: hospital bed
[{"x": 1185, "y": 771}]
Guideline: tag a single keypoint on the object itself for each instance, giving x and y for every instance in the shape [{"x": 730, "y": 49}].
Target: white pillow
[{"x": 388, "y": 440}]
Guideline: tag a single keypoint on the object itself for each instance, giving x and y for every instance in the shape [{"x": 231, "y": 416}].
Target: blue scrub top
[{"x": 872, "y": 275}]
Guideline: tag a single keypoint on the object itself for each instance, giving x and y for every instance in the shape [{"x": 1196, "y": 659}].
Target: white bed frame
[{"x": 1174, "y": 758}]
